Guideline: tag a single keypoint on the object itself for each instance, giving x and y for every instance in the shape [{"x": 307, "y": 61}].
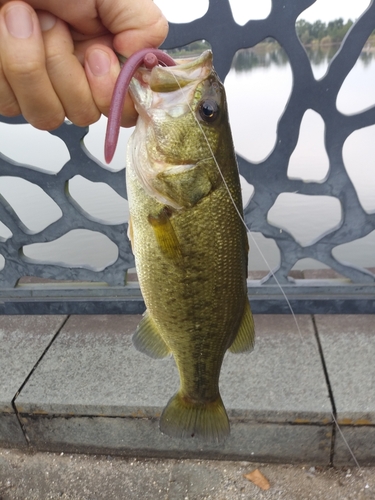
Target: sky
[{"x": 243, "y": 10}]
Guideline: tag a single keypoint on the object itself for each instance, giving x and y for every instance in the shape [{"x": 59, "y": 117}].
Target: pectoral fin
[
  {"x": 148, "y": 340},
  {"x": 165, "y": 234},
  {"x": 244, "y": 340}
]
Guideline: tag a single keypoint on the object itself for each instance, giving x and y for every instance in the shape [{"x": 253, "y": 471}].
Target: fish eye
[{"x": 208, "y": 110}]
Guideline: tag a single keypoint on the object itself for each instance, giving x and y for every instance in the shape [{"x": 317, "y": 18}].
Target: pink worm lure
[{"x": 149, "y": 58}]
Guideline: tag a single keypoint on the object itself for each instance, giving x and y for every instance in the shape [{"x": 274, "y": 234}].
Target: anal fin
[
  {"x": 148, "y": 340},
  {"x": 244, "y": 340}
]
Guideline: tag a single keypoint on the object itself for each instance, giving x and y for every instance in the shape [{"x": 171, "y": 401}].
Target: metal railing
[{"x": 106, "y": 291}]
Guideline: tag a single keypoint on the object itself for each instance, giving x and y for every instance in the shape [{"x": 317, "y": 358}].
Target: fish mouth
[{"x": 169, "y": 88}]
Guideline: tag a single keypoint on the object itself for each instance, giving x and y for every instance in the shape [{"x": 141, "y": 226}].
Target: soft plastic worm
[{"x": 149, "y": 58}]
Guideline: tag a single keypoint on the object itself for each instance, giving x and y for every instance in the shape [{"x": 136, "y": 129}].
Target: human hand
[{"x": 57, "y": 57}]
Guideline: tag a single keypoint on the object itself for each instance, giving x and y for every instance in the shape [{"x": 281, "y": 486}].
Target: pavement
[
  {"x": 61, "y": 476},
  {"x": 77, "y": 385}
]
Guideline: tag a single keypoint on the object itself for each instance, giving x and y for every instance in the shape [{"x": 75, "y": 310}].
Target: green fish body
[{"x": 188, "y": 239}]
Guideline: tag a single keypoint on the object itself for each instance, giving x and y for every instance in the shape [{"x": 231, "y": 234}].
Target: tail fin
[{"x": 184, "y": 419}]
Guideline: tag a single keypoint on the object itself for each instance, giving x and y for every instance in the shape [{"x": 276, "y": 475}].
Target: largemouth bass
[{"x": 188, "y": 239}]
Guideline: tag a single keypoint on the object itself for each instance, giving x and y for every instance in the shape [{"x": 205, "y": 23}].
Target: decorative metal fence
[{"x": 106, "y": 291}]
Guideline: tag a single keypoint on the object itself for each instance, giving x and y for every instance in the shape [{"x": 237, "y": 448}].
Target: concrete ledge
[
  {"x": 11, "y": 435},
  {"x": 94, "y": 392},
  {"x": 360, "y": 439},
  {"x": 348, "y": 344},
  {"x": 141, "y": 437},
  {"x": 23, "y": 340}
]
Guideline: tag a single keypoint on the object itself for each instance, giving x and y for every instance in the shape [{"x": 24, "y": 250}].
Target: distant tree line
[
  {"x": 325, "y": 34},
  {"x": 311, "y": 35}
]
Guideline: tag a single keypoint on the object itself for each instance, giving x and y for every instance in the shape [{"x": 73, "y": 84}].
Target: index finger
[{"x": 136, "y": 24}]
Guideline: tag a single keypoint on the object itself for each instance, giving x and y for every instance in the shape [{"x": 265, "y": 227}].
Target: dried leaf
[{"x": 258, "y": 479}]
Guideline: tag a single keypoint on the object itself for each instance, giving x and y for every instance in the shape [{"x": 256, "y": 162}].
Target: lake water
[{"x": 258, "y": 87}]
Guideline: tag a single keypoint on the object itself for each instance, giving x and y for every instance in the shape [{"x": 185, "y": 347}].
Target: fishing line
[
  {"x": 258, "y": 248},
  {"x": 347, "y": 444},
  {"x": 262, "y": 255},
  {"x": 238, "y": 211}
]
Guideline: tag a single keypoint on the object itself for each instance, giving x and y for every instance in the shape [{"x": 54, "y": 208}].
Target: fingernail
[
  {"x": 99, "y": 62},
  {"x": 18, "y": 21},
  {"x": 46, "y": 20}
]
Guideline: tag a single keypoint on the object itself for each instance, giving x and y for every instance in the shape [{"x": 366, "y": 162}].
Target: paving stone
[
  {"x": 23, "y": 340},
  {"x": 348, "y": 343},
  {"x": 94, "y": 392},
  {"x": 93, "y": 369}
]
